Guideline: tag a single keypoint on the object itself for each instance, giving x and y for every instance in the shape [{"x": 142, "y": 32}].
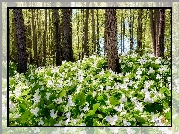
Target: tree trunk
[
  {"x": 152, "y": 29},
  {"x": 86, "y": 46},
  {"x": 57, "y": 36},
  {"x": 139, "y": 32},
  {"x": 161, "y": 30},
  {"x": 21, "y": 41},
  {"x": 111, "y": 35},
  {"x": 93, "y": 30},
  {"x": 98, "y": 45},
  {"x": 67, "y": 35}
]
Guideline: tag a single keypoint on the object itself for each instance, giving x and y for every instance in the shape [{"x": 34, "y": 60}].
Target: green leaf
[
  {"x": 63, "y": 93},
  {"x": 139, "y": 119},
  {"x": 81, "y": 99},
  {"x": 90, "y": 113},
  {"x": 22, "y": 106},
  {"x": 24, "y": 117},
  {"x": 96, "y": 106}
]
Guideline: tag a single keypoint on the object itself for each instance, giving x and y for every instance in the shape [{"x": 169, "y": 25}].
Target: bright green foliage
[{"x": 85, "y": 92}]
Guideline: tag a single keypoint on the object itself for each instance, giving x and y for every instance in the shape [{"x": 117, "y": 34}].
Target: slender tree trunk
[
  {"x": 93, "y": 30},
  {"x": 78, "y": 23},
  {"x": 152, "y": 29},
  {"x": 111, "y": 34},
  {"x": 86, "y": 46},
  {"x": 139, "y": 32},
  {"x": 57, "y": 36},
  {"x": 98, "y": 45},
  {"x": 21, "y": 40},
  {"x": 67, "y": 35},
  {"x": 45, "y": 39},
  {"x": 130, "y": 30},
  {"x": 160, "y": 44}
]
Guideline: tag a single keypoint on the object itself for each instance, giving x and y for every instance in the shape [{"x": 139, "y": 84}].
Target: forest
[{"x": 89, "y": 66}]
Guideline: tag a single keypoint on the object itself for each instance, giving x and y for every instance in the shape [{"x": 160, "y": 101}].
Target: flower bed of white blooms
[{"x": 85, "y": 93}]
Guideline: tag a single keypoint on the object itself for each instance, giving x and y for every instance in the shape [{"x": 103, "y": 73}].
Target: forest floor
[{"x": 85, "y": 93}]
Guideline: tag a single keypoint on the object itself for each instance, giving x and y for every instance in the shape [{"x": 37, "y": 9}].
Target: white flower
[
  {"x": 81, "y": 115},
  {"x": 52, "y": 114},
  {"x": 94, "y": 93},
  {"x": 112, "y": 120},
  {"x": 36, "y": 98},
  {"x": 50, "y": 83},
  {"x": 16, "y": 116},
  {"x": 67, "y": 121},
  {"x": 108, "y": 88},
  {"x": 35, "y": 111},
  {"x": 158, "y": 76},
  {"x": 157, "y": 61},
  {"x": 48, "y": 95},
  {"x": 17, "y": 91},
  {"x": 59, "y": 123},
  {"x": 70, "y": 102},
  {"x": 41, "y": 122},
  {"x": 123, "y": 99},
  {"x": 86, "y": 107},
  {"x": 139, "y": 106},
  {"x": 58, "y": 101},
  {"x": 134, "y": 99},
  {"x": 147, "y": 98},
  {"x": 119, "y": 109},
  {"x": 126, "y": 123},
  {"x": 68, "y": 115}
]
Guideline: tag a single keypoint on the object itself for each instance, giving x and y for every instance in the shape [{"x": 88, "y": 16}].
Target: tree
[
  {"x": 67, "y": 35},
  {"x": 86, "y": 46},
  {"x": 111, "y": 40},
  {"x": 139, "y": 32},
  {"x": 57, "y": 36},
  {"x": 153, "y": 31},
  {"x": 21, "y": 40},
  {"x": 161, "y": 30}
]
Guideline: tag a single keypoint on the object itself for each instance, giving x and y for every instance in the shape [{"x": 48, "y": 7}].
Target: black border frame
[{"x": 78, "y": 8}]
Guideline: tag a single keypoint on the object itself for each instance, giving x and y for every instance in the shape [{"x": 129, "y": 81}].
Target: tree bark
[
  {"x": 152, "y": 29},
  {"x": 67, "y": 35},
  {"x": 111, "y": 35},
  {"x": 86, "y": 46},
  {"x": 57, "y": 36},
  {"x": 161, "y": 30},
  {"x": 21, "y": 40}
]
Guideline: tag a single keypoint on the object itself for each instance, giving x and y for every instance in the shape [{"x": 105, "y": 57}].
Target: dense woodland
[
  {"x": 50, "y": 36},
  {"x": 90, "y": 67}
]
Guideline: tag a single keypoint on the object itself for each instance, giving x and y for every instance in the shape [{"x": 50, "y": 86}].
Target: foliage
[{"x": 86, "y": 93}]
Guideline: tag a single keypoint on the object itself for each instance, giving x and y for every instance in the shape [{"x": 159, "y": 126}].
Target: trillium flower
[
  {"x": 41, "y": 122},
  {"x": 35, "y": 111},
  {"x": 126, "y": 123},
  {"x": 70, "y": 102},
  {"x": 119, "y": 108},
  {"x": 52, "y": 114},
  {"x": 86, "y": 107},
  {"x": 112, "y": 120},
  {"x": 16, "y": 116},
  {"x": 147, "y": 98},
  {"x": 48, "y": 95},
  {"x": 58, "y": 101},
  {"x": 36, "y": 98},
  {"x": 59, "y": 123},
  {"x": 123, "y": 99},
  {"x": 139, "y": 106}
]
